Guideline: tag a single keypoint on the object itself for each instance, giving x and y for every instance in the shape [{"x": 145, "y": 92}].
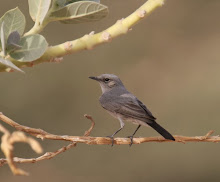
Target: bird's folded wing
[{"x": 130, "y": 107}]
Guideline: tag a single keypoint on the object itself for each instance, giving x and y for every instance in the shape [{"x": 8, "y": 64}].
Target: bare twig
[
  {"x": 87, "y": 133},
  {"x": 46, "y": 156},
  {"x": 39, "y": 133}
]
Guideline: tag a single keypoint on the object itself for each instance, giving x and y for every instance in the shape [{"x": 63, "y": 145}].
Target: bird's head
[{"x": 108, "y": 82}]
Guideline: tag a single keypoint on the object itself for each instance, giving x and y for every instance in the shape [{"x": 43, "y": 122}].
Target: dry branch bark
[{"x": 39, "y": 133}]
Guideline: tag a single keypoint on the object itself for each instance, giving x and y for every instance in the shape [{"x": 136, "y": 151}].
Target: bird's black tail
[{"x": 161, "y": 130}]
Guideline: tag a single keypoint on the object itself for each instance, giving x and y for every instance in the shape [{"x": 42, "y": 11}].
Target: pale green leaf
[
  {"x": 14, "y": 20},
  {"x": 33, "y": 47},
  {"x": 10, "y": 64},
  {"x": 38, "y": 9},
  {"x": 78, "y": 12},
  {"x": 62, "y": 3}
]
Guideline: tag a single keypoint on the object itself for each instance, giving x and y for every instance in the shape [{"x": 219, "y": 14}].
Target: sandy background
[{"x": 170, "y": 61}]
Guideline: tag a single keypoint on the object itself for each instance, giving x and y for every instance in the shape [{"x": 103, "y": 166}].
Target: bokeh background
[{"x": 170, "y": 61}]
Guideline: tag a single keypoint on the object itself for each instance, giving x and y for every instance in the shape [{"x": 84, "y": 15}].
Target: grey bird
[{"x": 124, "y": 106}]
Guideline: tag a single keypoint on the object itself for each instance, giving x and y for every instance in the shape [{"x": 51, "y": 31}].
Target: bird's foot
[
  {"x": 112, "y": 138},
  {"x": 131, "y": 138}
]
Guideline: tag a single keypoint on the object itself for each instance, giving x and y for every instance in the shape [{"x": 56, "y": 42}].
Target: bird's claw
[
  {"x": 112, "y": 138},
  {"x": 131, "y": 138}
]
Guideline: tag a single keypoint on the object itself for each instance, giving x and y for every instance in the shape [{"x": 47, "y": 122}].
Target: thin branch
[
  {"x": 87, "y": 133},
  {"x": 39, "y": 133},
  {"x": 89, "y": 41},
  {"x": 46, "y": 156}
]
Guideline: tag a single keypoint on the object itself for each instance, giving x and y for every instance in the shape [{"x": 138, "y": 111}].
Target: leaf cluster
[{"x": 31, "y": 46}]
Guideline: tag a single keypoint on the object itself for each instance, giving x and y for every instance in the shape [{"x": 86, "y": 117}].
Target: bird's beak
[{"x": 94, "y": 78}]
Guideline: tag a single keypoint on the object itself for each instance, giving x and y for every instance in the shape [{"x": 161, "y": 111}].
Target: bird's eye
[{"x": 106, "y": 79}]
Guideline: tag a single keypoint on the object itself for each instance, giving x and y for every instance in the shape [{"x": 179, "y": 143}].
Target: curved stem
[
  {"x": 37, "y": 28},
  {"x": 89, "y": 41}
]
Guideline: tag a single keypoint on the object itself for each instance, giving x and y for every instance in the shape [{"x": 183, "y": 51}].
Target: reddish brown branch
[{"x": 39, "y": 133}]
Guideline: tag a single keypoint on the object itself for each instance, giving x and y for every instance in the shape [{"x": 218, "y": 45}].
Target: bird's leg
[
  {"x": 132, "y": 136},
  {"x": 112, "y": 136},
  {"x": 121, "y": 126}
]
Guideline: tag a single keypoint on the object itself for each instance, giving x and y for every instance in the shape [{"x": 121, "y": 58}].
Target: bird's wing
[
  {"x": 146, "y": 110},
  {"x": 129, "y": 106}
]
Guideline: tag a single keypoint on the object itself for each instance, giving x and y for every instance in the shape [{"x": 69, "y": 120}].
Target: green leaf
[
  {"x": 13, "y": 38},
  {"x": 10, "y": 64},
  {"x": 79, "y": 12},
  {"x": 38, "y": 9},
  {"x": 62, "y": 3},
  {"x": 14, "y": 20},
  {"x": 3, "y": 39},
  {"x": 13, "y": 41},
  {"x": 33, "y": 47}
]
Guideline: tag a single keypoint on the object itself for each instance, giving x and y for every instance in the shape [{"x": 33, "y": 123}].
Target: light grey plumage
[{"x": 125, "y": 106}]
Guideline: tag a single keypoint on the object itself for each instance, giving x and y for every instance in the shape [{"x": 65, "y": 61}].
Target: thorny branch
[{"x": 39, "y": 133}]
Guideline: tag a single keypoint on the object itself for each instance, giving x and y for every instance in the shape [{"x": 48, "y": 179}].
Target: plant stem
[{"x": 89, "y": 41}]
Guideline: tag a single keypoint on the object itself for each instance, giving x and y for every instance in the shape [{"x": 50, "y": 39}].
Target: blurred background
[{"x": 170, "y": 61}]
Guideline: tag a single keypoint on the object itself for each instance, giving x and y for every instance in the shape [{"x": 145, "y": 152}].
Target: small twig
[
  {"x": 209, "y": 134},
  {"x": 87, "y": 133},
  {"x": 46, "y": 156}
]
